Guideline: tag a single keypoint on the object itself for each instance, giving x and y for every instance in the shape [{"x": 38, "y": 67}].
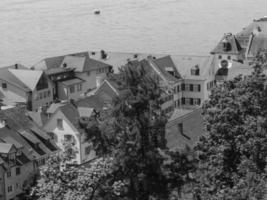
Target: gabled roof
[
  {"x": 159, "y": 67},
  {"x": 5, "y": 147},
  {"x": 257, "y": 44},
  {"x": 29, "y": 77},
  {"x": 90, "y": 102},
  {"x": 119, "y": 59},
  {"x": 38, "y": 117},
  {"x": 9, "y": 77},
  {"x": 235, "y": 46},
  {"x": 184, "y": 64},
  {"x": 81, "y": 62},
  {"x": 257, "y": 26},
  {"x": 26, "y": 131},
  {"x": 166, "y": 64},
  {"x": 76, "y": 62}
]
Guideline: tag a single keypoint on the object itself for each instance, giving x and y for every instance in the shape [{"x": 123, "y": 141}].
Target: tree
[
  {"x": 232, "y": 156},
  {"x": 61, "y": 179},
  {"x": 139, "y": 129}
]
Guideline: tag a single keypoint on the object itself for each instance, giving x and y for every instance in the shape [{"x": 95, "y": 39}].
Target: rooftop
[
  {"x": 231, "y": 39},
  {"x": 184, "y": 65},
  {"x": 5, "y": 147},
  {"x": 81, "y": 62}
]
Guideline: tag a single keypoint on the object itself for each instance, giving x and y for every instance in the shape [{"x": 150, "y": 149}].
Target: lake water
[{"x": 33, "y": 29}]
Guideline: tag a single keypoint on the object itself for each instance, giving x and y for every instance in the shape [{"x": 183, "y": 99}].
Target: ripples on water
[{"x": 33, "y": 29}]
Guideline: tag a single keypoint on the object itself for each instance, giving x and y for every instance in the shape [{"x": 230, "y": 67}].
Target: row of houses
[
  {"x": 61, "y": 94},
  {"x": 24, "y": 147}
]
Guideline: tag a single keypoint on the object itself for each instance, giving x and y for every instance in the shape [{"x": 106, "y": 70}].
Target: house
[
  {"x": 197, "y": 80},
  {"x": 65, "y": 126},
  {"x": 186, "y": 80},
  {"x": 18, "y": 129},
  {"x": 243, "y": 46},
  {"x": 184, "y": 128},
  {"x": 16, "y": 168},
  {"x": 20, "y": 85},
  {"x": 74, "y": 74}
]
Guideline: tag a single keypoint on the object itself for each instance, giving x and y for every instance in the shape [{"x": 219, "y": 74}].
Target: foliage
[
  {"x": 139, "y": 128},
  {"x": 232, "y": 156},
  {"x": 73, "y": 182}
]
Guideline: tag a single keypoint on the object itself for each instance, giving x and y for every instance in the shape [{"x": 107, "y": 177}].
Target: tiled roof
[
  {"x": 9, "y": 77},
  {"x": 71, "y": 113},
  {"x": 27, "y": 132},
  {"x": 119, "y": 59},
  {"x": 5, "y": 147},
  {"x": 15, "y": 66},
  {"x": 259, "y": 26},
  {"x": 179, "y": 113},
  {"x": 29, "y": 77},
  {"x": 38, "y": 117},
  {"x": 258, "y": 43},
  {"x": 235, "y": 46},
  {"x": 166, "y": 63},
  {"x": 162, "y": 69},
  {"x": 81, "y": 62},
  {"x": 90, "y": 102},
  {"x": 193, "y": 127},
  {"x": 184, "y": 64},
  {"x": 6, "y": 135}
]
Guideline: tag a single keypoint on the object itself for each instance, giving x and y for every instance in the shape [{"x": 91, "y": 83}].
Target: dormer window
[
  {"x": 195, "y": 70},
  {"x": 226, "y": 45}
]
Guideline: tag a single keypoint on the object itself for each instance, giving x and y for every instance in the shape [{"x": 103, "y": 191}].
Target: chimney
[
  {"x": 64, "y": 65},
  {"x": 16, "y": 66},
  {"x": 3, "y": 123},
  {"x": 103, "y": 54}
]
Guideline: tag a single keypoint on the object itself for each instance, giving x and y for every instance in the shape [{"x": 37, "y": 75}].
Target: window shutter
[
  {"x": 191, "y": 87},
  {"x": 183, "y": 86},
  {"x": 183, "y": 101}
]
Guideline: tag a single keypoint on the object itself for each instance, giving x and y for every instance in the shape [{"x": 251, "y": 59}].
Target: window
[
  {"x": 48, "y": 93},
  {"x": 9, "y": 188},
  {"x": 183, "y": 87},
  {"x": 192, "y": 87},
  {"x": 187, "y": 87},
  {"x": 8, "y": 173},
  {"x": 18, "y": 171},
  {"x": 87, "y": 150},
  {"x": 40, "y": 95},
  {"x": 79, "y": 87},
  {"x": 187, "y": 101},
  {"x": 60, "y": 123},
  {"x": 178, "y": 88},
  {"x": 44, "y": 94},
  {"x": 4, "y": 85},
  {"x": 88, "y": 73},
  {"x": 72, "y": 89},
  {"x": 229, "y": 57},
  {"x": 195, "y": 88},
  {"x": 196, "y": 101}
]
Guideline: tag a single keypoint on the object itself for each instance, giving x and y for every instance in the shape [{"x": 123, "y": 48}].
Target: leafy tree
[
  {"x": 73, "y": 182},
  {"x": 232, "y": 156},
  {"x": 138, "y": 133}
]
